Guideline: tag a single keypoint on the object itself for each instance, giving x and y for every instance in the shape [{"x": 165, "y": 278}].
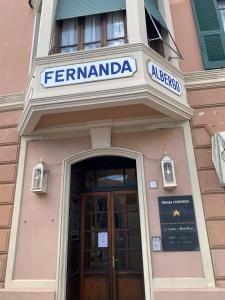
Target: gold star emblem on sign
[{"x": 176, "y": 213}]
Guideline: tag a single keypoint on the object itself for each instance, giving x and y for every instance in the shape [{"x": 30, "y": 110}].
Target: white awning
[{"x": 218, "y": 155}]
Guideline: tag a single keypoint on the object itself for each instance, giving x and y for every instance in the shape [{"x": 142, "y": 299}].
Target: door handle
[{"x": 114, "y": 260}]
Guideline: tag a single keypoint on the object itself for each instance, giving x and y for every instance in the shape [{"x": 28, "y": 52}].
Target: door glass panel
[
  {"x": 96, "y": 260},
  {"x": 109, "y": 178},
  {"x": 102, "y": 204},
  {"x": 133, "y": 219},
  {"x": 102, "y": 221},
  {"x": 89, "y": 180},
  {"x": 120, "y": 202},
  {"x": 135, "y": 261},
  {"x": 121, "y": 261},
  {"x": 89, "y": 260},
  {"x": 90, "y": 240},
  {"x": 132, "y": 202},
  {"x": 102, "y": 259},
  {"x": 89, "y": 221},
  {"x": 120, "y": 220},
  {"x": 134, "y": 239},
  {"x": 120, "y": 240},
  {"x": 90, "y": 203},
  {"x": 130, "y": 177}
]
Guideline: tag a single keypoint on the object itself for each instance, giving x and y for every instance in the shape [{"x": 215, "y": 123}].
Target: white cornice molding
[
  {"x": 205, "y": 79},
  {"x": 117, "y": 125},
  {"x": 11, "y": 102},
  {"x": 142, "y": 93}
]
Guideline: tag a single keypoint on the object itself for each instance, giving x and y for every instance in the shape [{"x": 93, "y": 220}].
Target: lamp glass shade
[
  {"x": 39, "y": 179},
  {"x": 168, "y": 172}
]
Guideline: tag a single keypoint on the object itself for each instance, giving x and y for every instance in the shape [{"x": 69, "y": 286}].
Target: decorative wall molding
[
  {"x": 11, "y": 102},
  {"x": 118, "y": 126},
  {"x": 179, "y": 283},
  {"x": 205, "y": 79},
  {"x": 64, "y": 209}
]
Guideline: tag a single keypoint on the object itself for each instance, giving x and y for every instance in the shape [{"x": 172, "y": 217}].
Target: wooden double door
[{"x": 111, "y": 257}]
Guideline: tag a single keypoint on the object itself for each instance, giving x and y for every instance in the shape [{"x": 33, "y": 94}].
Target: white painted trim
[
  {"x": 64, "y": 212},
  {"x": 199, "y": 212},
  {"x": 11, "y": 283},
  {"x": 32, "y": 284},
  {"x": 179, "y": 283},
  {"x": 141, "y": 94},
  {"x": 11, "y": 102},
  {"x": 204, "y": 79},
  {"x": 118, "y": 126},
  {"x": 16, "y": 213},
  {"x": 101, "y": 137},
  {"x": 46, "y": 23}
]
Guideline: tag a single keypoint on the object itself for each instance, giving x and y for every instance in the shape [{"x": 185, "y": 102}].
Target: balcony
[{"x": 53, "y": 87}]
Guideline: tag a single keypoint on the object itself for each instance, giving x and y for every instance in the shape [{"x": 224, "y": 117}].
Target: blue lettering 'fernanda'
[
  {"x": 87, "y": 72},
  {"x": 164, "y": 78}
]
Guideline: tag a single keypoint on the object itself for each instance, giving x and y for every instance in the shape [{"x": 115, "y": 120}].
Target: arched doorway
[{"x": 104, "y": 260}]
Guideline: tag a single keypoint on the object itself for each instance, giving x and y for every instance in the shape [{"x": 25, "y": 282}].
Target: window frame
[{"x": 80, "y": 33}]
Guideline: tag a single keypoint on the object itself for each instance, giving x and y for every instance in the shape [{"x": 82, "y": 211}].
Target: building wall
[
  {"x": 16, "y": 30},
  {"x": 9, "y": 147},
  {"x": 30, "y": 260},
  {"x": 208, "y": 119},
  {"x": 209, "y": 106},
  {"x": 35, "y": 262}
]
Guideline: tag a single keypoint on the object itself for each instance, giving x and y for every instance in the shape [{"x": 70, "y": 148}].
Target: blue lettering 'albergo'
[
  {"x": 164, "y": 78},
  {"x": 81, "y": 73}
]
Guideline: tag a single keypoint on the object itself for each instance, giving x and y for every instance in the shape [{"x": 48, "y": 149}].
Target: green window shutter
[
  {"x": 210, "y": 32},
  {"x": 77, "y": 8},
  {"x": 154, "y": 12}
]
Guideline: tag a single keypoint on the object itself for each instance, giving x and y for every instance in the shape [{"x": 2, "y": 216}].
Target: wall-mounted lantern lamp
[
  {"x": 168, "y": 172},
  {"x": 39, "y": 179}
]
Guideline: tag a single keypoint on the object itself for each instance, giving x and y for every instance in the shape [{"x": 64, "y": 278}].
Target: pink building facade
[{"x": 118, "y": 102}]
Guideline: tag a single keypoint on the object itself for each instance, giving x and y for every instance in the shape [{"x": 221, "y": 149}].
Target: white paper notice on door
[{"x": 102, "y": 239}]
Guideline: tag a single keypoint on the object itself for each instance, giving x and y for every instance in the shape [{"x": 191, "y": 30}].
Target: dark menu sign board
[{"x": 178, "y": 226}]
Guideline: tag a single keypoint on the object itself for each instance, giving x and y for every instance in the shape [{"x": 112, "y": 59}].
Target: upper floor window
[
  {"x": 89, "y": 32},
  {"x": 221, "y": 7},
  {"x": 158, "y": 34},
  {"x": 82, "y": 25}
]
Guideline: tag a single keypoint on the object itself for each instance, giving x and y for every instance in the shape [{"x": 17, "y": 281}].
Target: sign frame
[
  {"x": 164, "y": 78},
  {"x": 178, "y": 223},
  {"x": 87, "y": 72}
]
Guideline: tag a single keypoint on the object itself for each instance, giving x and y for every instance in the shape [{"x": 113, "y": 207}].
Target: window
[
  {"x": 158, "y": 33},
  {"x": 154, "y": 31},
  {"x": 221, "y": 7},
  {"x": 209, "y": 16},
  {"x": 82, "y": 33}
]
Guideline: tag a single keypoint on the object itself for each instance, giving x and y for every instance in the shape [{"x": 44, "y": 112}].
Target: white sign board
[
  {"x": 102, "y": 239},
  {"x": 88, "y": 72},
  {"x": 164, "y": 78}
]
